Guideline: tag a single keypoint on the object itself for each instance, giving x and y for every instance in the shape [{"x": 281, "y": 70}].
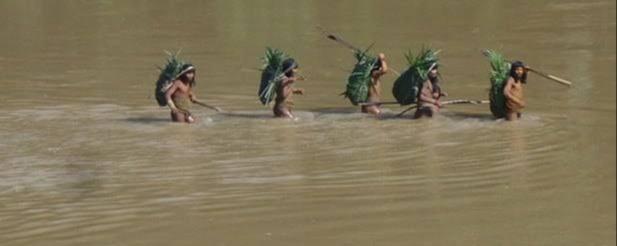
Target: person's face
[
  {"x": 190, "y": 75},
  {"x": 519, "y": 71},
  {"x": 433, "y": 73}
]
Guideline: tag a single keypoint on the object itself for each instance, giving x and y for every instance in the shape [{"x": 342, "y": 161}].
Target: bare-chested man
[
  {"x": 374, "y": 93},
  {"x": 283, "y": 101},
  {"x": 430, "y": 94},
  {"x": 513, "y": 91},
  {"x": 180, "y": 95}
]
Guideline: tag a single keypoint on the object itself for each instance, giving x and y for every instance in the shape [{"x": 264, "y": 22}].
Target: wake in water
[{"x": 110, "y": 115}]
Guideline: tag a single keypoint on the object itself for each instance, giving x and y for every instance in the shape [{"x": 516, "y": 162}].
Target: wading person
[
  {"x": 283, "y": 102},
  {"x": 374, "y": 91},
  {"x": 513, "y": 91},
  {"x": 174, "y": 89},
  {"x": 180, "y": 95},
  {"x": 430, "y": 94}
]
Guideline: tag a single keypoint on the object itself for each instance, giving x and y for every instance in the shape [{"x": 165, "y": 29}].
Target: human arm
[
  {"x": 298, "y": 91},
  {"x": 384, "y": 66},
  {"x": 289, "y": 80},
  {"x": 507, "y": 92},
  {"x": 197, "y": 101},
  {"x": 438, "y": 92},
  {"x": 168, "y": 94},
  {"x": 441, "y": 94},
  {"x": 426, "y": 94}
]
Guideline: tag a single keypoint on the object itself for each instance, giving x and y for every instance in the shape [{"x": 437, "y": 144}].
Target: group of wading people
[
  {"x": 180, "y": 95},
  {"x": 429, "y": 97}
]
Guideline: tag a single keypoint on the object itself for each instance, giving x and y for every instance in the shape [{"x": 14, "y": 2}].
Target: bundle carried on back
[
  {"x": 168, "y": 74},
  {"x": 271, "y": 74},
  {"x": 499, "y": 75},
  {"x": 359, "y": 80},
  {"x": 407, "y": 87}
]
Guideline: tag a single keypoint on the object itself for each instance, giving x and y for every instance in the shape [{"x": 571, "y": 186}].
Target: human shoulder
[
  {"x": 178, "y": 82},
  {"x": 427, "y": 84},
  {"x": 510, "y": 81}
]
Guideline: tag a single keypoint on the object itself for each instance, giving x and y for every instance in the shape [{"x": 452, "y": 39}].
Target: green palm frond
[
  {"x": 272, "y": 68},
  {"x": 498, "y": 76},
  {"x": 173, "y": 66},
  {"x": 408, "y": 85},
  {"x": 359, "y": 80}
]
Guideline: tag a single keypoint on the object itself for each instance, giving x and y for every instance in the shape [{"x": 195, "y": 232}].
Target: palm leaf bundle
[
  {"x": 359, "y": 80},
  {"x": 407, "y": 86},
  {"x": 499, "y": 75},
  {"x": 271, "y": 74},
  {"x": 168, "y": 74}
]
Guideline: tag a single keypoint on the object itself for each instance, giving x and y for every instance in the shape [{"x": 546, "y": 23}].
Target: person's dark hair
[
  {"x": 377, "y": 66},
  {"x": 513, "y": 68},
  {"x": 436, "y": 87},
  {"x": 435, "y": 79},
  {"x": 186, "y": 68},
  {"x": 288, "y": 66}
]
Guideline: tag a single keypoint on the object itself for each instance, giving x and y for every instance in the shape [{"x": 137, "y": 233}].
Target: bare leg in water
[
  {"x": 282, "y": 111},
  {"x": 182, "y": 117},
  {"x": 373, "y": 109},
  {"x": 511, "y": 116}
]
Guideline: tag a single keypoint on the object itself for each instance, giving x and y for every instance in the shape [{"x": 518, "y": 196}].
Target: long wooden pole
[
  {"x": 377, "y": 103},
  {"x": 551, "y": 77},
  {"x": 348, "y": 45},
  {"x": 217, "y": 109},
  {"x": 457, "y": 101},
  {"x": 545, "y": 75}
]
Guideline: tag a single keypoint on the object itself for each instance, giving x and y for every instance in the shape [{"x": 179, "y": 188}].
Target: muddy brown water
[{"x": 88, "y": 158}]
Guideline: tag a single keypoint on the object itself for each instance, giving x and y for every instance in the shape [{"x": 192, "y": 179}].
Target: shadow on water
[
  {"x": 346, "y": 112},
  {"x": 387, "y": 114},
  {"x": 394, "y": 116},
  {"x": 468, "y": 115},
  {"x": 451, "y": 115},
  {"x": 249, "y": 115},
  {"x": 337, "y": 110},
  {"x": 244, "y": 114},
  {"x": 147, "y": 120}
]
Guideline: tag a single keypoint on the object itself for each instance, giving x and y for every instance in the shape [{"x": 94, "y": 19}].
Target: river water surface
[{"x": 88, "y": 158}]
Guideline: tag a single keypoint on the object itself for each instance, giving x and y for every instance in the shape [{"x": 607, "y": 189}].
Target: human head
[
  {"x": 518, "y": 71},
  {"x": 377, "y": 66},
  {"x": 290, "y": 67},
  {"x": 187, "y": 74},
  {"x": 433, "y": 72}
]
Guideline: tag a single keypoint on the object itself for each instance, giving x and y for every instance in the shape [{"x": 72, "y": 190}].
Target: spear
[
  {"x": 457, "y": 101},
  {"x": 348, "y": 45},
  {"x": 545, "y": 75}
]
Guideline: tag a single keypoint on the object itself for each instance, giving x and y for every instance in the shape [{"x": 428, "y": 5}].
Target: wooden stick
[
  {"x": 217, "y": 109},
  {"x": 377, "y": 103},
  {"x": 350, "y": 46},
  {"x": 457, "y": 101},
  {"x": 548, "y": 76},
  {"x": 465, "y": 101},
  {"x": 551, "y": 77},
  {"x": 406, "y": 110}
]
